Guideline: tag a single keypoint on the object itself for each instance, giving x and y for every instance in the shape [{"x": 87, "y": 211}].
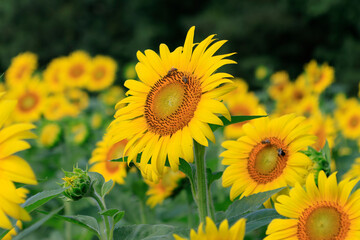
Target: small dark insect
[
  {"x": 184, "y": 79},
  {"x": 266, "y": 141},
  {"x": 171, "y": 70},
  {"x": 281, "y": 152}
]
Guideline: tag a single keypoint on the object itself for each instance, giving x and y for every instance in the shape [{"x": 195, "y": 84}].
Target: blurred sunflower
[
  {"x": 319, "y": 77},
  {"x": 96, "y": 120},
  {"x": 164, "y": 186},
  {"x": 21, "y": 68},
  {"x": 111, "y": 96},
  {"x": 57, "y": 106},
  {"x": 173, "y": 103},
  {"x": 2, "y": 87},
  {"x": 308, "y": 106},
  {"x": 129, "y": 71},
  {"x": 52, "y": 75},
  {"x": 13, "y": 168},
  {"x": 279, "y": 82},
  {"x": 327, "y": 211},
  {"x": 239, "y": 86},
  {"x": 105, "y": 151},
  {"x": 268, "y": 156},
  {"x": 31, "y": 97},
  {"x": 323, "y": 127},
  {"x": 242, "y": 104},
  {"x": 102, "y": 73},
  {"x": 77, "y": 132},
  {"x": 76, "y": 69},
  {"x": 261, "y": 72},
  {"x": 349, "y": 122},
  {"x": 211, "y": 232},
  {"x": 77, "y": 98},
  {"x": 50, "y": 134}
]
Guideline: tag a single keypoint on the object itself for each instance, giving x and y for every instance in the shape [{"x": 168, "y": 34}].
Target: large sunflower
[
  {"x": 173, "y": 102},
  {"x": 268, "y": 156},
  {"x": 13, "y": 168},
  {"x": 327, "y": 211},
  {"x": 105, "y": 151}
]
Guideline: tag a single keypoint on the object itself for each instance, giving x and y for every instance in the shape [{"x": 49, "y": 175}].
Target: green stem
[
  {"x": 201, "y": 182},
  {"x": 68, "y": 212},
  {"x": 102, "y": 207},
  {"x": 211, "y": 208},
  {"x": 142, "y": 212}
]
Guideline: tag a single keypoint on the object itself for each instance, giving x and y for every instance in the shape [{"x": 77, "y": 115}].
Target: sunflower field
[{"x": 200, "y": 137}]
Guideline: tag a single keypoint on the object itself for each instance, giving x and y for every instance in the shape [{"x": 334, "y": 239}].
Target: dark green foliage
[{"x": 278, "y": 34}]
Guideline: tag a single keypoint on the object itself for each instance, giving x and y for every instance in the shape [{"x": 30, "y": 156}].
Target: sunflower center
[
  {"x": 323, "y": 220},
  {"x": 76, "y": 71},
  {"x": 171, "y": 102},
  {"x": 116, "y": 151},
  {"x": 99, "y": 73},
  {"x": 354, "y": 121},
  {"x": 267, "y": 160},
  {"x": 28, "y": 101}
]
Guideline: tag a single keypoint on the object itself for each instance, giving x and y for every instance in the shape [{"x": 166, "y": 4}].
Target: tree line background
[{"x": 281, "y": 35}]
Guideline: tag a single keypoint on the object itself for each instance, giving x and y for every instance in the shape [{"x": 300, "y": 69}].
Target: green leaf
[
  {"x": 326, "y": 152},
  {"x": 188, "y": 169},
  {"x": 259, "y": 218},
  {"x": 109, "y": 212},
  {"x": 106, "y": 187},
  {"x": 3, "y": 232},
  {"x": 97, "y": 181},
  {"x": 25, "y": 233},
  {"x": 249, "y": 203},
  {"x": 87, "y": 222},
  {"x": 148, "y": 232},
  {"x": 41, "y": 198},
  {"x": 118, "y": 216},
  {"x": 234, "y": 119}
]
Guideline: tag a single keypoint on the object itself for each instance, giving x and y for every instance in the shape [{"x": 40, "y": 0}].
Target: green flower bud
[
  {"x": 320, "y": 163},
  {"x": 77, "y": 183}
]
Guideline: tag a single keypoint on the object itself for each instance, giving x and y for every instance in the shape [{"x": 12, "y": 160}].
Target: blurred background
[{"x": 280, "y": 35}]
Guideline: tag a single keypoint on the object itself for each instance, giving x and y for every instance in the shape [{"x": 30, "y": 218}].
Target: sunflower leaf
[
  {"x": 106, "y": 187},
  {"x": 234, "y": 119},
  {"x": 259, "y": 218},
  {"x": 87, "y": 222},
  {"x": 24, "y": 233},
  {"x": 212, "y": 176},
  {"x": 188, "y": 169},
  {"x": 97, "y": 181},
  {"x": 41, "y": 198},
  {"x": 248, "y": 204}
]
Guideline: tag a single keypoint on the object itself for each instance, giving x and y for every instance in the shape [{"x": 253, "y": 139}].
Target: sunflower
[
  {"x": 102, "y": 73},
  {"x": 21, "y": 68},
  {"x": 242, "y": 104},
  {"x": 327, "y": 211},
  {"x": 173, "y": 103},
  {"x": 13, "y": 168},
  {"x": 49, "y": 135},
  {"x": 240, "y": 87},
  {"x": 308, "y": 106},
  {"x": 30, "y": 97},
  {"x": 279, "y": 82},
  {"x": 57, "y": 106},
  {"x": 268, "y": 156},
  {"x": 78, "y": 99},
  {"x": 323, "y": 127},
  {"x": 164, "y": 187},
  {"x": 319, "y": 77},
  {"x": 112, "y": 95},
  {"x": 77, "y": 132},
  {"x": 349, "y": 122},
  {"x": 52, "y": 75},
  {"x": 76, "y": 69},
  {"x": 105, "y": 151},
  {"x": 261, "y": 72},
  {"x": 210, "y": 232}
]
